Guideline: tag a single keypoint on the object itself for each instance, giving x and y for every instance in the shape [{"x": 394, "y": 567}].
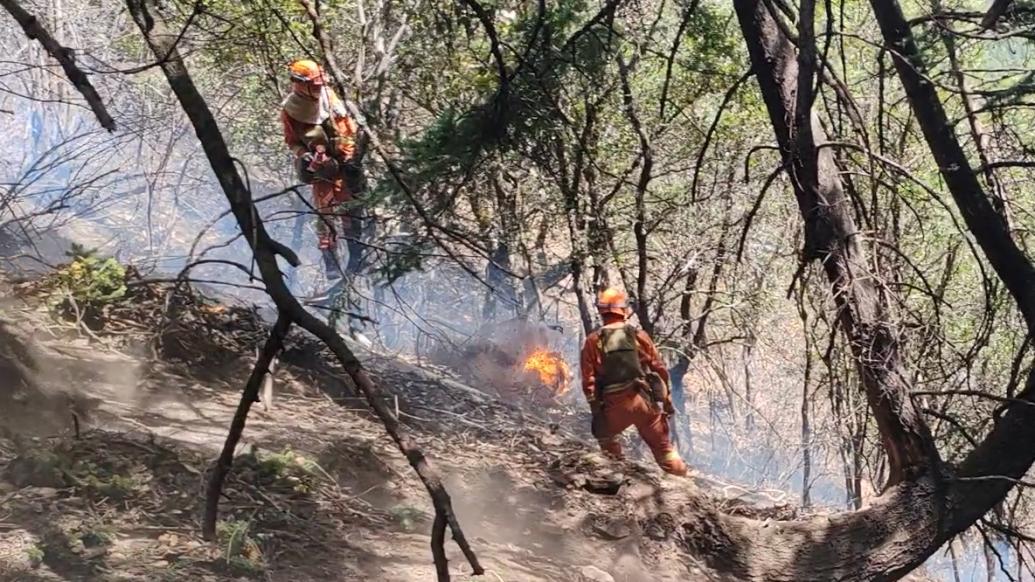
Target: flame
[{"x": 551, "y": 368}]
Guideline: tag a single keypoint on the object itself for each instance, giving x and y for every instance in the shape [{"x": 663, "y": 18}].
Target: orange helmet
[
  {"x": 306, "y": 71},
  {"x": 614, "y": 301}
]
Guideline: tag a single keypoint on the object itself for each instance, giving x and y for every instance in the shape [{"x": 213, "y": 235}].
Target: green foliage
[
  {"x": 89, "y": 538},
  {"x": 404, "y": 259},
  {"x": 106, "y": 480},
  {"x": 407, "y": 517},
  {"x": 520, "y": 110},
  {"x": 100, "y": 535},
  {"x": 240, "y": 550},
  {"x": 284, "y": 470},
  {"x": 286, "y": 463},
  {"x": 35, "y": 554},
  {"x": 90, "y": 280},
  {"x": 37, "y": 468}
]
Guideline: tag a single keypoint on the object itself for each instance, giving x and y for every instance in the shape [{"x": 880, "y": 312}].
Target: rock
[
  {"x": 655, "y": 532},
  {"x": 594, "y": 574},
  {"x": 612, "y": 529},
  {"x": 96, "y": 552},
  {"x": 605, "y": 484},
  {"x": 45, "y": 492}
]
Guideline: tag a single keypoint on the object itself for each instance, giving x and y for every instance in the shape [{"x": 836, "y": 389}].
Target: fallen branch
[{"x": 35, "y": 31}]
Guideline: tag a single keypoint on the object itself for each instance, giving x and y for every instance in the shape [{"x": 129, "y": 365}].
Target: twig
[{"x": 459, "y": 417}]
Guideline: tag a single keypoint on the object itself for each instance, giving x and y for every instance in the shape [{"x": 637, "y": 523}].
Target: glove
[
  {"x": 305, "y": 159},
  {"x": 327, "y": 168}
]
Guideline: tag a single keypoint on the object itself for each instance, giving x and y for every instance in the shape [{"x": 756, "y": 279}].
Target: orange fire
[{"x": 550, "y": 367}]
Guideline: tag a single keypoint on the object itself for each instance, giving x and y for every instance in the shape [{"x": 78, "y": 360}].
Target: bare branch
[{"x": 66, "y": 56}]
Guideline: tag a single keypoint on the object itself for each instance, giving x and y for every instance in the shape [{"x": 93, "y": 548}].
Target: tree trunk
[
  {"x": 831, "y": 238},
  {"x": 248, "y": 396},
  {"x": 806, "y": 438},
  {"x": 988, "y": 226},
  {"x": 747, "y": 358},
  {"x": 501, "y": 291},
  {"x": 65, "y": 56}
]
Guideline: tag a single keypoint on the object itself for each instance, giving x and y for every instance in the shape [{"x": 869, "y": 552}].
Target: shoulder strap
[{"x": 634, "y": 334}]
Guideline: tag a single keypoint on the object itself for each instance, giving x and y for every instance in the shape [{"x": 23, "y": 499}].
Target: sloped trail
[{"x": 519, "y": 480}]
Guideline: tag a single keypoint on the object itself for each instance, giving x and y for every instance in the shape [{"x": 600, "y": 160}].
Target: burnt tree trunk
[{"x": 831, "y": 238}]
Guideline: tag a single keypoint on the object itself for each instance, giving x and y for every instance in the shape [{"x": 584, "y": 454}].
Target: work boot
[
  {"x": 671, "y": 463},
  {"x": 331, "y": 268}
]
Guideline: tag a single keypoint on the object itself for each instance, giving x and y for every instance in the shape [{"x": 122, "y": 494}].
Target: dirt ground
[{"x": 105, "y": 446}]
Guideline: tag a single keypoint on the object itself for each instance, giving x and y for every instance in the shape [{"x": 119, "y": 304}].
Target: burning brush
[{"x": 551, "y": 369}]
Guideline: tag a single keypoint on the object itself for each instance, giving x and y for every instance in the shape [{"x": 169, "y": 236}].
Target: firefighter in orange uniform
[
  {"x": 618, "y": 362},
  {"x": 322, "y": 136}
]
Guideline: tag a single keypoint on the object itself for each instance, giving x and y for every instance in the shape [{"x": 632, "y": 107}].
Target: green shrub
[
  {"x": 407, "y": 517},
  {"x": 288, "y": 469},
  {"x": 90, "y": 280},
  {"x": 98, "y": 480},
  {"x": 35, "y": 555},
  {"x": 240, "y": 550}
]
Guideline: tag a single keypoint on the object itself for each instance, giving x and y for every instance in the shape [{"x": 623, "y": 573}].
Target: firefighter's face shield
[
  {"x": 309, "y": 86},
  {"x": 623, "y": 308}
]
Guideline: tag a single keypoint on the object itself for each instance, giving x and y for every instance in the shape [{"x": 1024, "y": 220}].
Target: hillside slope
[
  {"x": 106, "y": 437},
  {"x": 319, "y": 492}
]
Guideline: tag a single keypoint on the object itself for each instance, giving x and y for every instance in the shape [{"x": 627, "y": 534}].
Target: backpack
[
  {"x": 620, "y": 358},
  {"x": 620, "y": 366}
]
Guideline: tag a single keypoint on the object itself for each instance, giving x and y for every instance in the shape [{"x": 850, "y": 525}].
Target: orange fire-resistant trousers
[
  {"x": 628, "y": 408},
  {"x": 329, "y": 197}
]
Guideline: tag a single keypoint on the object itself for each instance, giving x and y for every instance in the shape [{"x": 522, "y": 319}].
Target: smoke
[
  {"x": 49, "y": 384},
  {"x": 540, "y": 534}
]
